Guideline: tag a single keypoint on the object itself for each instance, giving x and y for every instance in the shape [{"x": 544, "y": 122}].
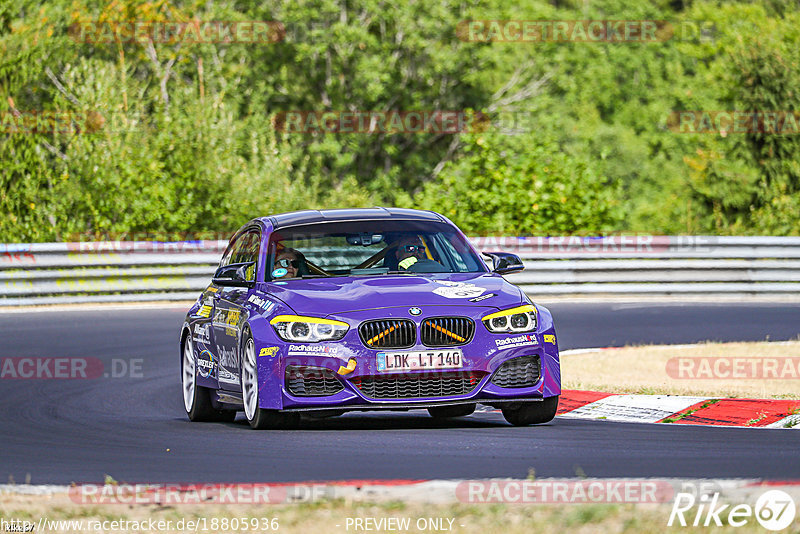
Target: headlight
[
  {"x": 519, "y": 319},
  {"x": 308, "y": 329}
]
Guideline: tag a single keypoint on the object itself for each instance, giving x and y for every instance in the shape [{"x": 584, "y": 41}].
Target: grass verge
[
  {"x": 338, "y": 516},
  {"x": 645, "y": 370}
]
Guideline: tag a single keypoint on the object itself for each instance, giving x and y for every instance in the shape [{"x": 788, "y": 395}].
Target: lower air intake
[
  {"x": 311, "y": 382},
  {"x": 413, "y": 386},
  {"x": 522, "y": 372}
]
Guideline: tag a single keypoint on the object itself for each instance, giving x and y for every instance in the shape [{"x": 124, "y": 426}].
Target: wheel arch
[{"x": 185, "y": 332}]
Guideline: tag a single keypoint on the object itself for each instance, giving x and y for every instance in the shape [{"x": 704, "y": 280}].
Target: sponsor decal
[
  {"x": 264, "y": 304},
  {"x": 268, "y": 351},
  {"x": 228, "y": 319},
  {"x": 204, "y": 311},
  {"x": 302, "y": 350},
  {"x": 227, "y": 357},
  {"x": 201, "y": 334},
  {"x": 212, "y": 289},
  {"x": 458, "y": 290},
  {"x": 549, "y": 338},
  {"x": 227, "y": 376},
  {"x": 483, "y": 297},
  {"x": 524, "y": 340},
  {"x": 206, "y": 367}
]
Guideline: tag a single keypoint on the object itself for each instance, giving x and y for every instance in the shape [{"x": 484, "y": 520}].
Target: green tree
[{"x": 522, "y": 185}]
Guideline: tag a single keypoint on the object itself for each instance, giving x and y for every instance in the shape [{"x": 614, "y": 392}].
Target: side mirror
[
  {"x": 505, "y": 263},
  {"x": 234, "y": 275}
]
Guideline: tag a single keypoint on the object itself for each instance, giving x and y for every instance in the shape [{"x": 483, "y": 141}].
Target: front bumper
[{"x": 482, "y": 357}]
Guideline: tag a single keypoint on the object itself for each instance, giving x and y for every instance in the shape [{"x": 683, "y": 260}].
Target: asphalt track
[{"x": 134, "y": 429}]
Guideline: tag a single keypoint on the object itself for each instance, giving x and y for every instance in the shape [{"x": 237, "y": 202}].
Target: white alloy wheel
[
  {"x": 189, "y": 377},
  {"x": 250, "y": 380}
]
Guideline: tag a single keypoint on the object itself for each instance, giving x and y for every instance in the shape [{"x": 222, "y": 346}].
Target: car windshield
[{"x": 370, "y": 248}]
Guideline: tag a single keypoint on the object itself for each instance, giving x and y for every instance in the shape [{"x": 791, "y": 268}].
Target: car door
[{"x": 229, "y": 312}]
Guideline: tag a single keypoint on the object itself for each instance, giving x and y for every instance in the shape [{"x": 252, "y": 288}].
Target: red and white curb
[
  {"x": 682, "y": 410},
  {"x": 678, "y": 409}
]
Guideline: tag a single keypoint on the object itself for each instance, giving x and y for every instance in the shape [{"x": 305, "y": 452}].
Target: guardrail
[{"x": 46, "y": 273}]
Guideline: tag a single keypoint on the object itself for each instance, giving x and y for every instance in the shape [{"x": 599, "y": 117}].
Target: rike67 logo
[{"x": 774, "y": 510}]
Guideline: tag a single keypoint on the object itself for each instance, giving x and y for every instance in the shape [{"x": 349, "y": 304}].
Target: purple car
[{"x": 324, "y": 312}]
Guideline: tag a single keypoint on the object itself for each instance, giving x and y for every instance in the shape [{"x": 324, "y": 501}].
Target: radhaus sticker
[
  {"x": 458, "y": 290},
  {"x": 525, "y": 340},
  {"x": 303, "y": 350}
]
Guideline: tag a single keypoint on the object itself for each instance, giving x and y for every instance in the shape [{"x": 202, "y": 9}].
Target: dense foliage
[{"x": 561, "y": 137}]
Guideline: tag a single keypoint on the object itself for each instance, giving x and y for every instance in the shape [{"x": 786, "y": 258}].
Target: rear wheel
[
  {"x": 532, "y": 413},
  {"x": 197, "y": 399},
  {"x": 448, "y": 412},
  {"x": 258, "y": 418}
]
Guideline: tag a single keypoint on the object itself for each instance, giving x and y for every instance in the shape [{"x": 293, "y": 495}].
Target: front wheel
[
  {"x": 197, "y": 399},
  {"x": 532, "y": 413},
  {"x": 258, "y": 418}
]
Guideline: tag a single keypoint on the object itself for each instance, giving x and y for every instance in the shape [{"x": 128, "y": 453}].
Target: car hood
[{"x": 325, "y": 296}]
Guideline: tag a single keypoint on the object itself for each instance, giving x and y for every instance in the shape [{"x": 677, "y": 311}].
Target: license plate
[{"x": 412, "y": 361}]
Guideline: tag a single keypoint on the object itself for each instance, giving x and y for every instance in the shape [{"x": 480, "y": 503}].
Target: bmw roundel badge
[{"x": 414, "y": 311}]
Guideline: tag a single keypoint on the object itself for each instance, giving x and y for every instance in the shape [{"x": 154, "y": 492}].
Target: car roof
[{"x": 294, "y": 218}]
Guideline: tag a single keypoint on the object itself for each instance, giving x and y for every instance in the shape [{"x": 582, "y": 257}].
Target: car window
[
  {"x": 336, "y": 249},
  {"x": 244, "y": 249}
]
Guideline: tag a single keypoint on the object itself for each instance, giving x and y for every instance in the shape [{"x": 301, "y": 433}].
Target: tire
[
  {"x": 533, "y": 413},
  {"x": 448, "y": 412},
  {"x": 259, "y": 418},
  {"x": 197, "y": 399}
]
